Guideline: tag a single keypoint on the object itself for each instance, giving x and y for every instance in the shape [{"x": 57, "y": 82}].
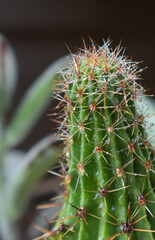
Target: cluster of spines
[{"x": 107, "y": 159}]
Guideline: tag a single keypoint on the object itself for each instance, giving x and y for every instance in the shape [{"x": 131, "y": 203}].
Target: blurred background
[{"x": 39, "y": 31}]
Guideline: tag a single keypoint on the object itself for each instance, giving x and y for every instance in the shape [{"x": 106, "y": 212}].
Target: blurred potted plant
[{"x": 18, "y": 173}]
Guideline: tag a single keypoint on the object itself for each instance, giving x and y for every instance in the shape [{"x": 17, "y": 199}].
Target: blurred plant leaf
[
  {"x": 31, "y": 168},
  {"x": 8, "y": 74},
  {"x": 33, "y": 105},
  {"x": 147, "y": 107},
  {"x": 26, "y": 182}
]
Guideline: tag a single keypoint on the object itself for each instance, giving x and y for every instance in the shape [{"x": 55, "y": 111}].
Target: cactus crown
[{"x": 108, "y": 161}]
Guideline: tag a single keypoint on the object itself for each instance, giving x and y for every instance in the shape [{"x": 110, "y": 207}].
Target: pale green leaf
[
  {"x": 8, "y": 74},
  {"x": 31, "y": 168},
  {"x": 33, "y": 105}
]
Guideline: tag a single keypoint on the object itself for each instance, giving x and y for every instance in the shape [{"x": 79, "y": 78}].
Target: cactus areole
[{"x": 107, "y": 165}]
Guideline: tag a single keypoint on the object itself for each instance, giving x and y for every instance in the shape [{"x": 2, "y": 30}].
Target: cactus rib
[{"x": 107, "y": 156}]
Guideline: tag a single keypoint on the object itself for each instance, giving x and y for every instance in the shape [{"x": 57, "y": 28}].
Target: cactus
[{"x": 107, "y": 165}]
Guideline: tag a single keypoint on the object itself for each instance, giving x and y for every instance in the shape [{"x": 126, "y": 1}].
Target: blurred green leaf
[
  {"x": 26, "y": 182},
  {"x": 8, "y": 230},
  {"x": 8, "y": 74},
  {"x": 147, "y": 108},
  {"x": 33, "y": 105},
  {"x": 32, "y": 167}
]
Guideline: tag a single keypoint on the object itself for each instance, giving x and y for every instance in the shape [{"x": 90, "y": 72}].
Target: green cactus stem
[{"x": 108, "y": 160}]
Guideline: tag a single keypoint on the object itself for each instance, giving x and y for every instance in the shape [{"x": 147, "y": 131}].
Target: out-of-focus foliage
[
  {"x": 20, "y": 171},
  {"x": 147, "y": 107},
  {"x": 8, "y": 74}
]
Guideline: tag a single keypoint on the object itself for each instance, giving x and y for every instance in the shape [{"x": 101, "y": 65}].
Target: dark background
[{"x": 40, "y": 29}]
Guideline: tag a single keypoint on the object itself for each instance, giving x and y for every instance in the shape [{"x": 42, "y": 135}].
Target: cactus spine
[{"x": 108, "y": 160}]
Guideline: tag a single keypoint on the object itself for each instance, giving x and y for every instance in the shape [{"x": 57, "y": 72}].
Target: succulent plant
[{"x": 108, "y": 161}]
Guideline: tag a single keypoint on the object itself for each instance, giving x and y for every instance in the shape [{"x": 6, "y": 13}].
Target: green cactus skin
[{"x": 107, "y": 160}]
